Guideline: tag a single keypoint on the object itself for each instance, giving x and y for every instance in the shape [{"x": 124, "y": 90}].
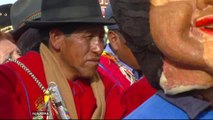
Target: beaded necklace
[{"x": 47, "y": 94}]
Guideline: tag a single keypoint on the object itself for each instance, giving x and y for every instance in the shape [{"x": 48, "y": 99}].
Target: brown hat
[{"x": 57, "y": 12}]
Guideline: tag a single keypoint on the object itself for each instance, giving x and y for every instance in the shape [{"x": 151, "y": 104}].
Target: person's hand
[{"x": 8, "y": 50}]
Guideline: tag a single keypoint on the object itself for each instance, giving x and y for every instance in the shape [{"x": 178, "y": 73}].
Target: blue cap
[{"x": 109, "y": 15}]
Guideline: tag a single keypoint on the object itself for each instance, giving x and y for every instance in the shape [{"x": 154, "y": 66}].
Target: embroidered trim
[
  {"x": 40, "y": 85},
  {"x": 125, "y": 71},
  {"x": 28, "y": 71}
]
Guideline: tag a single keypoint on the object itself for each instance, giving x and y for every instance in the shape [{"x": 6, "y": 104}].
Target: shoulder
[
  {"x": 13, "y": 76},
  {"x": 10, "y": 79},
  {"x": 12, "y": 91},
  {"x": 157, "y": 107},
  {"x": 7, "y": 73}
]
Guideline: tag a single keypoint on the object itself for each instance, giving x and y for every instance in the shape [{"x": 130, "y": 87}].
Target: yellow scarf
[{"x": 54, "y": 73}]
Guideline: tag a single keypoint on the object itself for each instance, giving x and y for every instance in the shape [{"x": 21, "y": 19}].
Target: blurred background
[
  {"x": 103, "y": 3},
  {"x": 6, "y": 1}
]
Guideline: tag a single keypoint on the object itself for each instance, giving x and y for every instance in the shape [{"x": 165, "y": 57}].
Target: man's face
[
  {"x": 81, "y": 50},
  {"x": 8, "y": 50},
  {"x": 182, "y": 30},
  {"x": 124, "y": 53}
]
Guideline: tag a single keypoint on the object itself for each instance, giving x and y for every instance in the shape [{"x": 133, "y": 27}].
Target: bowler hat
[
  {"x": 21, "y": 11},
  {"x": 5, "y": 23},
  {"x": 57, "y": 12}
]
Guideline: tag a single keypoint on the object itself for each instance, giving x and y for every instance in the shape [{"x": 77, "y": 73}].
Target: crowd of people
[{"x": 157, "y": 62}]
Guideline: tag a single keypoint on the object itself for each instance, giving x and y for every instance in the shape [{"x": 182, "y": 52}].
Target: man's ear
[
  {"x": 56, "y": 38},
  {"x": 113, "y": 40}
]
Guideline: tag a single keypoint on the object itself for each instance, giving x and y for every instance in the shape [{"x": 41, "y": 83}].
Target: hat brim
[{"x": 42, "y": 24}]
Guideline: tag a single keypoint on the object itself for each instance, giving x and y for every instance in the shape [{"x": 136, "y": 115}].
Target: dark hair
[
  {"x": 31, "y": 38},
  {"x": 44, "y": 34},
  {"x": 132, "y": 16},
  {"x": 28, "y": 40},
  {"x": 65, "y": 28}
]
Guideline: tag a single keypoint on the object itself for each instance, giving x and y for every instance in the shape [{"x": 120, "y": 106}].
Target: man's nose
[
  {"x": 201, "y": 4},
  {"x": 97, "y": 45}
]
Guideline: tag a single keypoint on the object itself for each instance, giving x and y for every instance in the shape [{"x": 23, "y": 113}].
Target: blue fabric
[
  {"x": 158, "y": 108},
  {"x": 108, "y": 49},
  {"x": 186, "y": 102},
  {"x": 206, "y": 115}
]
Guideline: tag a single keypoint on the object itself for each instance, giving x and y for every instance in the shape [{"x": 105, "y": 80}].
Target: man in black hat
[
  {"x": 119, "y": 53},
  {"x": 118, "y": 61},
  {"x": 60, "y": 79}
]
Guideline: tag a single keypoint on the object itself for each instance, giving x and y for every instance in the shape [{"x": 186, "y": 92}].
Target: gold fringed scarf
[{"x": 54, "y": 73}]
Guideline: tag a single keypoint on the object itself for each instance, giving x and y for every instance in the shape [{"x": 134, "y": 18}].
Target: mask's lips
[{"x": 205, "y": 24}]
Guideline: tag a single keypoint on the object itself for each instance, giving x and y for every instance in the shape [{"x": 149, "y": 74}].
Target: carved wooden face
[{"x": 183, "y": 31}]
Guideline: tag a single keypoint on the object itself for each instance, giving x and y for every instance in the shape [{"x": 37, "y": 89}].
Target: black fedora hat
[
  {"x": 5, "y": 23},
  {"x": 57, "y": 12},
  {"x": 21, "y": 11}
]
